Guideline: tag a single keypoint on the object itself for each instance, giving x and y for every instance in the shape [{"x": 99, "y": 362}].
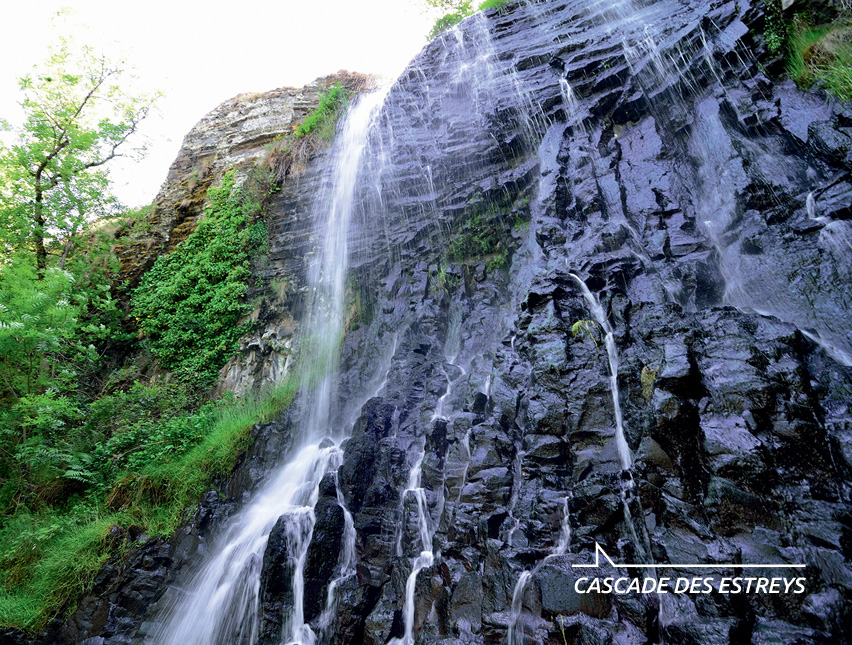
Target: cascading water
[
  {"x": 426, "y": 557},
  {"x": 612, "y": 357},
  {"x": 517, "y": 607},
  {"x": 222, "y": 599}
]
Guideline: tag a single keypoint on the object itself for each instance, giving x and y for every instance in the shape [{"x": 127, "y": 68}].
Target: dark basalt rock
[
  {"x": 276, "y": 582},
  {"x": 325, "y": 549}
]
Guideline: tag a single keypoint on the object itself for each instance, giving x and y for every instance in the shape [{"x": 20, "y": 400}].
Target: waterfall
[
  {"x": 452, "y": 156},
  {"x": 221, "y": 601}
]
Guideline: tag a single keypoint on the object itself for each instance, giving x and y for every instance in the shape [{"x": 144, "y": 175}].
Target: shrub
[{"x": 191, "y": 302}]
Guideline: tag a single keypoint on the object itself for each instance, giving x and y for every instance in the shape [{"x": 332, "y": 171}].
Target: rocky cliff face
[
  {"x": 542, "y": 160},
  {"x": 238, "y": 135},
  {"x": 705, "y": 207}
]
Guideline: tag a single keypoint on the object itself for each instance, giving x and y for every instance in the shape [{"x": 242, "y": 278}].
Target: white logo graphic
[{"x": 600, "y": 552}]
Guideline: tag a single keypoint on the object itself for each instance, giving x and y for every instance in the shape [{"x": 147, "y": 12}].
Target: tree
[{"x": 53, "y": 177}]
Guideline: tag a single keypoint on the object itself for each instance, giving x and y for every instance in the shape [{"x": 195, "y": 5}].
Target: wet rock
[
  {"x": 325, "y": 549},
  {"x": 276, "y": 580},
  {"x": 686, "y": 198}
]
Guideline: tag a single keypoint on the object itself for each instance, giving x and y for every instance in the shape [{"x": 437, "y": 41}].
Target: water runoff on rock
[{"x": 221, "y": 601}]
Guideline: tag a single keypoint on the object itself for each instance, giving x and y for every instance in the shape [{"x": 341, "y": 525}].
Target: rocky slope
[{"x": 639, "y": 150}]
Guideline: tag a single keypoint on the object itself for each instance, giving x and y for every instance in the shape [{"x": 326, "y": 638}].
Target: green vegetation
[
  {"x": 451, "y": 19},
  {"x": 477, "y": 238},
  {"x": 814, "y": 53},
  {"x": 822, "y": 54},
  {"x": 287, "y": 154},
  {"x": 776, "y": 27},
  {"x": 51, "y": 553},
  {"x": 323, "y": 120},
  {"x": 106, "y": 432},
  {"x": 486, "y": 232},
  {"x": 53, "y": 176},
  {"x": 587, "y": 328},
  {"x": 647, "y": 379},
  {"x": 492, "y": 4},
  {"x": 457, "y": 10},
  {"x": 191, "y": 302}
]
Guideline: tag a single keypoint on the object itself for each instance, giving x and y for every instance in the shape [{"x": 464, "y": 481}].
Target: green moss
[
  {"x": 486, "y": 228},
  {"x": 647, "y": 379},
  {"x": 587, "y": 328}
]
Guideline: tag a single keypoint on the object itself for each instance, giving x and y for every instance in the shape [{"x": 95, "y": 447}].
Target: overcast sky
[{"x": 202, "y": 53}]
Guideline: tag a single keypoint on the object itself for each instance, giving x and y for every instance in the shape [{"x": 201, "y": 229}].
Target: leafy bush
[{"x": 191, "y": 302}]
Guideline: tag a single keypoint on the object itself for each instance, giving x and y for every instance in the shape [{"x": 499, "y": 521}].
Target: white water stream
[{"x": 612, "y": 354}]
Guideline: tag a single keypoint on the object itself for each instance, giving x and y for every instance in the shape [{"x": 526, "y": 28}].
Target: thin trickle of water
[
  {"x": 612, "y": 354},
  {"x": 517, "y": 608},
  {"x": 347, "y": 561},
  {"x": 564, "y": 543},
  {"x": 810, "y": 206},
  {"x": 222, "y": 601},
  {"x": 517, "y": 474},
  {"x": 468, "y": 455},
  {"x": 426, "y": 557}
]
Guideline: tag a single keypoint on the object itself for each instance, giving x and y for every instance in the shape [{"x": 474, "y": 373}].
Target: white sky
[{"x": 202, "y": 53}]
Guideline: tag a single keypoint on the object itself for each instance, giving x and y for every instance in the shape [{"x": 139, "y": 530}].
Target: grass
[
  {"x": 50, "y": 558},
  {"x": 289, "y": 154},
  {"x": 323, "y": 120},
  {"x": 822, "y": 54}
]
